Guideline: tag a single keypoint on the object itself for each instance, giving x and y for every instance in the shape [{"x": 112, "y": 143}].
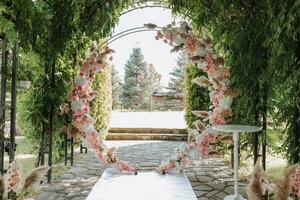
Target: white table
[
  {"x": 236, "y": 129},
  {"x": 144, "y": 186}
]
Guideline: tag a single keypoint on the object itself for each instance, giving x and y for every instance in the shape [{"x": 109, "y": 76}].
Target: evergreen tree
[
  {"x": 135, "y": 81},
  {"x": 116, "y": 85},
  {"x": 176, "y": 84}
]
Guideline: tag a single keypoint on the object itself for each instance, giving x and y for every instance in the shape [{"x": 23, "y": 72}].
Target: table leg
[
  {"x": 236, "y": 164},
  {"x": 236, "y": 195}
]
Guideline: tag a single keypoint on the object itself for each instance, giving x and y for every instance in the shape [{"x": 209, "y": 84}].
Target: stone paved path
[{"x": 210, "y": 178}]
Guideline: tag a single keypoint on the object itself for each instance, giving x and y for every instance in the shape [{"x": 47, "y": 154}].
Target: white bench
[{"x": 144, "y": 186}]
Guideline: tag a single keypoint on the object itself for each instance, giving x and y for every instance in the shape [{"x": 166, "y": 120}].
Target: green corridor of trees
[{"x": 259, "y": 40}]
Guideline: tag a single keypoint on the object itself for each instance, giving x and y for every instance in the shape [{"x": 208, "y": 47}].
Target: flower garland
[
  {"x": 79, "y": 100},
  {"x": 200, "y": 52}
]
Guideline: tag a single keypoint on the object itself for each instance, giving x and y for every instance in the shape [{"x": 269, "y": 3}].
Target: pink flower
[
  {"x": 169, "y": 36},
  {"x": 296, "y": 182},
  {"x": 203, "y": 145},
  {"x": 159, "y": 35},
  {"x": 190, "y": 44},
  {"x": 72, "y": 97},
  {"x": 191, "y": 146},
  {"x": 212, "y": 138}
]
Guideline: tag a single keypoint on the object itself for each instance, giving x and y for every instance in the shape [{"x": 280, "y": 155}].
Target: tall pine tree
[
  {"x": 116, "y": 87},
  {"x": 176, "y": 84},
  {"x": 135, "y": 80}
]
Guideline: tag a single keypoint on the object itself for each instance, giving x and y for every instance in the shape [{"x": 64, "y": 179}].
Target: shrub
[
  {"x": 196, "y": 98},
  {"x": 101, "y": 107}
]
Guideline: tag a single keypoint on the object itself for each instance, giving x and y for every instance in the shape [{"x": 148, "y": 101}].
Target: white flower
[
  {"x": 177, "y": 40},
  {"x": 79, "y": 80},
  {"x": 88, "y": 128},
  {"x": 200, "y": 52},
  {"x": 202, "y": 64},
  {"x": 164, "y": 29},
  {"x": 76, "y": 105},
  {"x": 212, "y": 95},
  {"x": 225, "y": 102}
]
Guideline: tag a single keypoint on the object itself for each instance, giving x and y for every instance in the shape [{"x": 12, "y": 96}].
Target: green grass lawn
[
  {"x": 24, "y": 156},
  {"x": 276, "y": 170},
  {"x": 24, "y": 145}
]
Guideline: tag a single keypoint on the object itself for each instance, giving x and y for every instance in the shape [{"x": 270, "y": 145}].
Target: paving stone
[
  {"x": 200, "y": 193},
  {"x": 68, "y": 176},
  {"x": 204, "y": 178},
  {"x": 212, "y": 193},
  {"x": 45, "y": 195},
  {"x": 229, "y": 190},
  {"x": 202, "y": 187},
  {"x": 221, "y": 195},
  {"x": 219, "y": 186},
  {"x": 78, "y": 198}
]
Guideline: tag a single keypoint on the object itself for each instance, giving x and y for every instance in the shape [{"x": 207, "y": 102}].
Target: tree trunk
[
  {"x": 51, "y": 120},
  {"x": 264, "y": 131},
  {"x": 255, "y": 135}
]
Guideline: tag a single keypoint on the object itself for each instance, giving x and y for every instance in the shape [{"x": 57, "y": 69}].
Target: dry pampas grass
[
  {"x": 199, "y": 125},
  {"x": 191, "y": 135},
  {"x": 201, "y": 114},
  {"x": 34, "y": 178},
  {"x": 283, "y": 186},
  {"x": 258, "y": 183}
]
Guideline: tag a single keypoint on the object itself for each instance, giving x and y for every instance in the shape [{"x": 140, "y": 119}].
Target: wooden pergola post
[
  {"x": 296, "y": 128},
  {"x": 13, "y": 109},
  {"x": 2, "y": 102}
]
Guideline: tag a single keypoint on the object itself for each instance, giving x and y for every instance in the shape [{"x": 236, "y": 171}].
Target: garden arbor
[{"x": 236, "y": 28}]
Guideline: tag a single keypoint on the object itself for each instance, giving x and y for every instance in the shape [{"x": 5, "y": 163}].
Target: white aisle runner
[{"x": 144, "y": 186}]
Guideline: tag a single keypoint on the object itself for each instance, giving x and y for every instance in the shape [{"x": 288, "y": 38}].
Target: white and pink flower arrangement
[
  {"x": 199, "y": 51},
  {"x": 79, "y": 106}
]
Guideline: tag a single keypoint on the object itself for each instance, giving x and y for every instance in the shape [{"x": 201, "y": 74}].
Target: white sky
[{"x": 155, "y": 52}]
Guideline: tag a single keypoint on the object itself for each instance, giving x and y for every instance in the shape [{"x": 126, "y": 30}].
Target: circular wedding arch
[{"x": 199, "y": 51}]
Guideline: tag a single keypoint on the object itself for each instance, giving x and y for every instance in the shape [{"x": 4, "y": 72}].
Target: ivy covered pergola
[{"x": 259, "y": 41}]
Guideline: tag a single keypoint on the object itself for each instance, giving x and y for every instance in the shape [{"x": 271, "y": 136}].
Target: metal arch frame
[
  {"x": 127, "y": 32},
  {"x": 155, "y": 5},
  {"x": 142, "y": 7}
]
